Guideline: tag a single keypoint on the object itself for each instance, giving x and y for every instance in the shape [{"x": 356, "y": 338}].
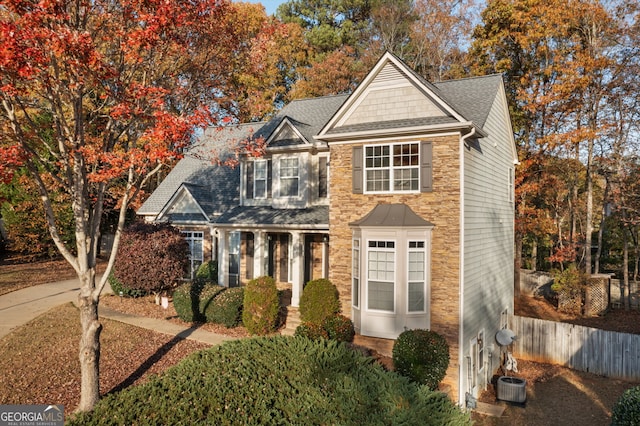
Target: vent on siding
[{"x": 389, "y": 73}]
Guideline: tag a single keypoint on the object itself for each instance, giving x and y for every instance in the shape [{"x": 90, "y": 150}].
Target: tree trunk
[
  {"x": 517, "y": 262},
  {"x": 534, "y": 255},
  {"x": 626, "y": 294},
  {"x": 89, "y": 344}
]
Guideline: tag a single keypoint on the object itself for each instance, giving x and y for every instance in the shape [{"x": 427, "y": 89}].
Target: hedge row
[{"x": 273, "y": 381}]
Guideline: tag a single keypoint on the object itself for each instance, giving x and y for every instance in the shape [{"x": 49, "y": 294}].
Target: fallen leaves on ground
[
  {"x": 146, "y": 307},
  {"x": 39, "y": 361}
]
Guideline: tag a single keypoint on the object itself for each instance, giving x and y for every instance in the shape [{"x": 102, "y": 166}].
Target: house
[{"x": 400, "y": 193}]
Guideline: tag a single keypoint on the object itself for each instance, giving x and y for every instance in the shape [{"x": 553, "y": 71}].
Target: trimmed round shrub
[
  {"x": 311, "y": 331},
  {"x": 152, "y": 257},
  {"x": 207, "y": 295},
  {"x": 319, "y": 300},
  {"x": 339, "y": 327},
  {"x": 422, "y": 356},
  {"x": 626, "y": 411},
  {"x": 119, "y": 288},
  {"x": 226, "y": 307},
  {"x": 261, "y": 306},
  {"x": 276, "y": 380},
  {"x": 188, "y": 300},
  {"x": 208, "y": 271}
]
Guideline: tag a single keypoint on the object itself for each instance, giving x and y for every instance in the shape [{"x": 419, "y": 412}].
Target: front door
[{"x": 278, "y": 257}]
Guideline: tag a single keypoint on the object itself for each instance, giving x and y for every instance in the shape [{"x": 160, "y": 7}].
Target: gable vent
[{"x": 389, "y": 73}]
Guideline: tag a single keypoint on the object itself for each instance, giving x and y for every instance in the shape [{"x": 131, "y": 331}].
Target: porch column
[
  {"x": 223, "y": 257},
  {"x": 297, "y": 267},
  {"x": 259, "y": 253},
  {"x": 325, "y": 256}
]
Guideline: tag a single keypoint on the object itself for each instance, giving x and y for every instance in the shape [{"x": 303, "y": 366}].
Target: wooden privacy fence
[{"x": 606, "y": 353}]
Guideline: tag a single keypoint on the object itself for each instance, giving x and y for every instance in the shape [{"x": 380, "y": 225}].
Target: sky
[{"x": 269, "y": 5}]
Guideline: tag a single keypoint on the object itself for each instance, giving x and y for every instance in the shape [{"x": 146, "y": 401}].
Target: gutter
[{"x": 461, "y": 356}]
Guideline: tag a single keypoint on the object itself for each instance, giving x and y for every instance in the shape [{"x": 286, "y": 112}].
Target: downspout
[{"x": 461, "y": 346}]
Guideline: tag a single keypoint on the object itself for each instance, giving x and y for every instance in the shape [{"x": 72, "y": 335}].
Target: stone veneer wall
[{"x": 440, "y": 207}]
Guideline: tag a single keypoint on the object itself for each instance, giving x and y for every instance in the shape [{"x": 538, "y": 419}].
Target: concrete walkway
[{"x": 21, "y": 306}]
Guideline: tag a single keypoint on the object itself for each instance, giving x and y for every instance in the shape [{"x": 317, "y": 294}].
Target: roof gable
[
  {"x": 391, "y": 96},
  {"x": 183, "y": 205},
  {"x": 395, "y": 99},
  {"x": 286, "y": 135}
]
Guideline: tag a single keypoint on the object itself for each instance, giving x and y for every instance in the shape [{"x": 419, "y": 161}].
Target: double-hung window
[
  {"x": 195, "y": 241},
  {"x": 258, "y": 177},
  {"x": 289, "y": 177},
  {"x": 381, "y": 276},
  {"x": 392, "y": 168},
  {"x": 355, "y": 260},
  {"x": 416, "y": 271}
]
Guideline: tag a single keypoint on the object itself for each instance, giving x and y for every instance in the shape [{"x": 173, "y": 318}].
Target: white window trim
[
  {"x": 356, "y": 252},
  {"x": 281, "y": 178},
  {"x": 395, "y": 273},
  {"x": 481, "y": 350},
  {"x": 422, "y": 250},
  {"x": 390, "y": 168},
  {"x": 256, "y": 180},
  {"x": 191, "y": 237}
]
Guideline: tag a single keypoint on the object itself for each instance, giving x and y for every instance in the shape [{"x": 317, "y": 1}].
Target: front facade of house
[{"x": 401, "y": 194}]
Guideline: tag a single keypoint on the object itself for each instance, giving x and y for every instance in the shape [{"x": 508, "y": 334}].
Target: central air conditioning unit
[{"x": 511, "y": 389}]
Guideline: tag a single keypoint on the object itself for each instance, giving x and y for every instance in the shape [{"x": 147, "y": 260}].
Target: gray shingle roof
[
  {"x": 259, "y": 215},
  {"x": 307, "y": 115},
  {"x": 472, "y": 97},
  {"x": 214, "y": 187},
  {"x": 392, "y": 124},
  {"x": 388, "y": 215}
]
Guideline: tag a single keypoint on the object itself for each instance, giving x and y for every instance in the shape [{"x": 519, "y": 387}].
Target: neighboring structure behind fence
[
  {"x": 616, "y": 291},
  {"x": 537, "y": 283},
  {"x": 601, "y": 352}
]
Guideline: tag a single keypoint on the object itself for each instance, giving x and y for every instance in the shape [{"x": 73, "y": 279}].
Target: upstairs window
[
  {"x": 397, "y": 167},
  {"x": 323, "y": 177},
  {"x": 289, "y": 177},
  {"x": 392, "y": 168},
  {"x": 258, "y": 179}
]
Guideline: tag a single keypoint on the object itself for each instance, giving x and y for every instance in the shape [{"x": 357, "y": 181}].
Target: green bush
[
  {"x": 208, "y": 271},
  {"x": 226, "y": 307},
  {"x": 207, "y": 295},
  {"x": 261, "y": 306},
  {"x": 311, "y": 331},
  {"x": 336, "y": 327},
  {"x": 319, "y": 301},
  {"x": 626, "y": 411},
  {"x": 273, "y": 381},
  {"x": 190, "y": 299},
  {"x": 570, "y": 281},
  {"x": 339, "y": 327},
  {"x": 119, "y": 288},
  {"x": 422, "y": 356}
]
